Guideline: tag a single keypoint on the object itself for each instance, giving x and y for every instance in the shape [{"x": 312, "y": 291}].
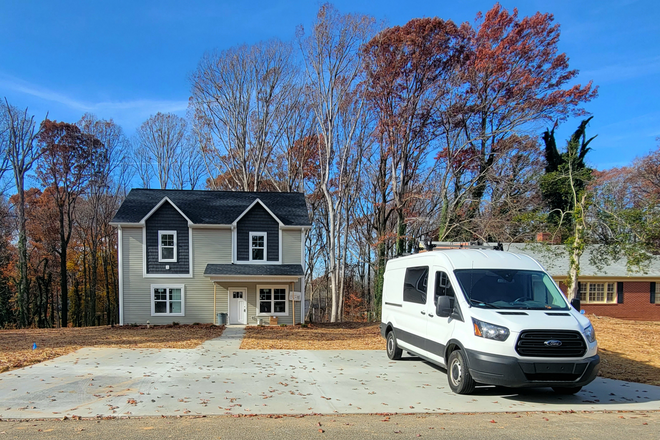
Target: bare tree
[
  {"x": 241, "y": 99},
  {"x": 18, "y": 144},
  {"x": 162, "y": 143},
  {"x": 94, "y": 215},
  {"x": 334, "y": 71}
]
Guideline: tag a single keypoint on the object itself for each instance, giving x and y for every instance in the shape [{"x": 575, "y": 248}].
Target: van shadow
[{"x": 602, "y": 391}]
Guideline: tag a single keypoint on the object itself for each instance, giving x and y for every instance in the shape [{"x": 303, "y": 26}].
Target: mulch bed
[{"x": 16, "y": 345}]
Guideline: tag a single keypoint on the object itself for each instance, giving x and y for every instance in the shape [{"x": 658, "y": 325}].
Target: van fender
[
  {"x": 386, "y": 328},
  {"x": 453, "y": 345}
]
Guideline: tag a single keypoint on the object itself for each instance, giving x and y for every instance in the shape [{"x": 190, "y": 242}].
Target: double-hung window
[
  {"x": 167, "y": 300},
  {"x": 167, "y": 246},
  {"x": 257, "y": 246},
  {"x": 272, "y": 300},
  {"x": 594, "y": 293}
]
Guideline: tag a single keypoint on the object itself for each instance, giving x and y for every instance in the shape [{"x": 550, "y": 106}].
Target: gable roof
[
  {"x": 213, "y": 207},
  {"x": 554, "y": 258}
]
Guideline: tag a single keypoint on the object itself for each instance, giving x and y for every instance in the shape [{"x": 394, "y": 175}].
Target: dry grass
[
  {"x": 343, "y": 336},
  {"x": 629, "y": 350},
  {"x": 16, "y": 345}
]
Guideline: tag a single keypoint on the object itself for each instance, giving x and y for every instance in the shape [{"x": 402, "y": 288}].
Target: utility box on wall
[{"x": 295, "y": 296}]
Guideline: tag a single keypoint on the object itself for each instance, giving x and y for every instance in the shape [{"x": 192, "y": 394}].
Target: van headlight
[
  {"x": 590, "y": 334},
  {"x": 490, "y": 331}
]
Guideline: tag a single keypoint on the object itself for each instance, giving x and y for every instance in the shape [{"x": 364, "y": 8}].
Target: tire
[
  {"x": 393, "y": 350},
  {"x": 459, "y": 377},
  {"x": 566, "y": 391}
]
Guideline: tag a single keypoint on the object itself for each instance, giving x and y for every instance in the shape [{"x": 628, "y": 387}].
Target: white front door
[{"x": 238, "y": 306}]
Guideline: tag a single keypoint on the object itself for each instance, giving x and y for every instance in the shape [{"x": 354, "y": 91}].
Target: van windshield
[{"x": 510, "y": 289}]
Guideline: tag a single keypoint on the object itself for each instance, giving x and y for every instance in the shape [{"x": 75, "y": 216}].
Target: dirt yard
[
  {"x": 629, "y": 350},
  {"x": 16, "y": 345},
  {"x": 343, "y": 336}
]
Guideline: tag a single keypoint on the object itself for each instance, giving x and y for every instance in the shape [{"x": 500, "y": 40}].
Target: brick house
[{"x": 608, "y": 291}]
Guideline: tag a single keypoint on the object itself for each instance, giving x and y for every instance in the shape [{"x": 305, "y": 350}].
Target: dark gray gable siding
[
  {"x": 257, "y": 219},
  {"x": 167, "y": 218}
]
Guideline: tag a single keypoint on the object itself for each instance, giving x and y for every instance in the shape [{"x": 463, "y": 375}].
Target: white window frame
[
  {"x": 584, "y": 293},
  {"x": 168, "y": 287},
  {"x": 265, "y": 236},
  {"x": 272, "y": 299},
  {"x": 160, "y": 247}
]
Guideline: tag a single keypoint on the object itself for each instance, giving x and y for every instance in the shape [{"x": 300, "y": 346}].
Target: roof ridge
[{"x": 214, "y": 191}]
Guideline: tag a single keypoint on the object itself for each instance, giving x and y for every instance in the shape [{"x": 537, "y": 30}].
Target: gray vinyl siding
[
  {"x": 291, "y": 246},
  {"x": 214, "y": 246},
  {"x": 167, "y": 218},
  {"x": 257, "y": 219}
]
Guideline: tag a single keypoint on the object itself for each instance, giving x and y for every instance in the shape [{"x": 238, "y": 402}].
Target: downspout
[
  {"x": 214, "y": 294},
  {"x": 120, "y": 272}
]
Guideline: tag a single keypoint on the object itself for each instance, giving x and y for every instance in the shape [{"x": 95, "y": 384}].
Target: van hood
[{"x": 518, "y": 320}]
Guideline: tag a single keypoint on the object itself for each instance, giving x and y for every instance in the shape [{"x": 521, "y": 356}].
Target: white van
[{"x": 487, "y": 317}]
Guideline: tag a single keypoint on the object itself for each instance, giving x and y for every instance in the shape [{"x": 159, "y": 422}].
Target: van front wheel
[
  {"x": 393, "y": 350},
  {"x": 460, "y": 379}
]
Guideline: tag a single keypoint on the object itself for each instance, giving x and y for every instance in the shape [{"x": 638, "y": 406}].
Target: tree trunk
[
  {"x": 64, "y": 291},
  {"x": 23, "y": 291}
]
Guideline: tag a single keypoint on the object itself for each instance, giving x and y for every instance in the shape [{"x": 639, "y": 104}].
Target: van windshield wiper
[{"x": 481, "y": 303}]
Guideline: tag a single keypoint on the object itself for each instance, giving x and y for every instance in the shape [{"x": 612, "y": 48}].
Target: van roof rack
[{"x": 443, "y": 245}]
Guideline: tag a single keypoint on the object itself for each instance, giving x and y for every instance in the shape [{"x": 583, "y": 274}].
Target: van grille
[{"x": 532, "y": 343}]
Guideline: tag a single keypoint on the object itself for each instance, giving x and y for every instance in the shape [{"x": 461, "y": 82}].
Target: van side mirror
[
  {"x": 575, "y": 302},
  {"x": 444, "y": 308}
]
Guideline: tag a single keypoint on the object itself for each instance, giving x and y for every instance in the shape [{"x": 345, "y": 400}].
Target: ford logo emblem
[{"x": 552, "y": 343}]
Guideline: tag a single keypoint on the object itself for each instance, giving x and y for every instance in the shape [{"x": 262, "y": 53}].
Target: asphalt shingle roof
[
  {"x": 213, "y": 207},
  {"x": 554, "y": 258},
  {"x": 254, "y": 269}
]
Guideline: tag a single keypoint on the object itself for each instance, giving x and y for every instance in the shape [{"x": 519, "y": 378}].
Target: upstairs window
[
  {"x": 257, "y": 246},
  {"x": 167, "y": 246}
]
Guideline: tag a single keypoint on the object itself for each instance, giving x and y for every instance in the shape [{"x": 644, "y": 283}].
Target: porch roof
[{"x": 257, "y": 270}]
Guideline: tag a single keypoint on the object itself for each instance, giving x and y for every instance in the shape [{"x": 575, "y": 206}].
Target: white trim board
[
  {"x": 163, "y": 200},
  {"x": 251, "y": 206}
]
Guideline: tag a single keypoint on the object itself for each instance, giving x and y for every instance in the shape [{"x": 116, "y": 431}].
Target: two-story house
[{"x": 188, "y": 256}]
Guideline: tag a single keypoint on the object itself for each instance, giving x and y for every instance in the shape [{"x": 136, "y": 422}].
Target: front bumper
[{"x": 493, "y": 369}]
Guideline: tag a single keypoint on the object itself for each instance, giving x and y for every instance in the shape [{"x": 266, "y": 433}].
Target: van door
[
  {"x": 412, "y": 329},
  {"x": 438, "y": 329}
]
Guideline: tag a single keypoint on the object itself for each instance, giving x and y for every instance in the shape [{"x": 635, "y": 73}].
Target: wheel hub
[{"x": 456, "y": 373}]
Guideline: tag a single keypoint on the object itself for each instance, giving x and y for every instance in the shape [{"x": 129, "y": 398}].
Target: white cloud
[
  {"x": 623, "y": 71},
  {"x": 129, "y": 112}
]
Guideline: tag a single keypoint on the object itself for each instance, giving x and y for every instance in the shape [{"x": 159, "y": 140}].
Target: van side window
[
  {"x": 414, "y": 287},
  {"x": 443, "y": 286}
]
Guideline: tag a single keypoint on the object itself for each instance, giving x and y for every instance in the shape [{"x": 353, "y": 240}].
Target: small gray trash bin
[{"x": 222, "y": 319}]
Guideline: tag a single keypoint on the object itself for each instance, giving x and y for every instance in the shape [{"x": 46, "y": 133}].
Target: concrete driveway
[{"x": 217, "y": 378}]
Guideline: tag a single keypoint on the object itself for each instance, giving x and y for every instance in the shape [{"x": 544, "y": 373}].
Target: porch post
[{"x": 214, "y": 292}]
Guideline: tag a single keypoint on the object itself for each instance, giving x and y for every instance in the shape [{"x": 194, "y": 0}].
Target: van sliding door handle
[
  {"x": 430, "y": 316},
  {"x": 423, "y": 313}
]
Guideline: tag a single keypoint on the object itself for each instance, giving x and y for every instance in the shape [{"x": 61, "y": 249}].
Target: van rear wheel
[
  {"x": 458, "y": 375},
  {"x": 393, "y": 350}
]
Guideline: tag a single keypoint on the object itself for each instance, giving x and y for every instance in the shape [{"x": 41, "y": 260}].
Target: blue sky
[{"x": 127, "y": 60}]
